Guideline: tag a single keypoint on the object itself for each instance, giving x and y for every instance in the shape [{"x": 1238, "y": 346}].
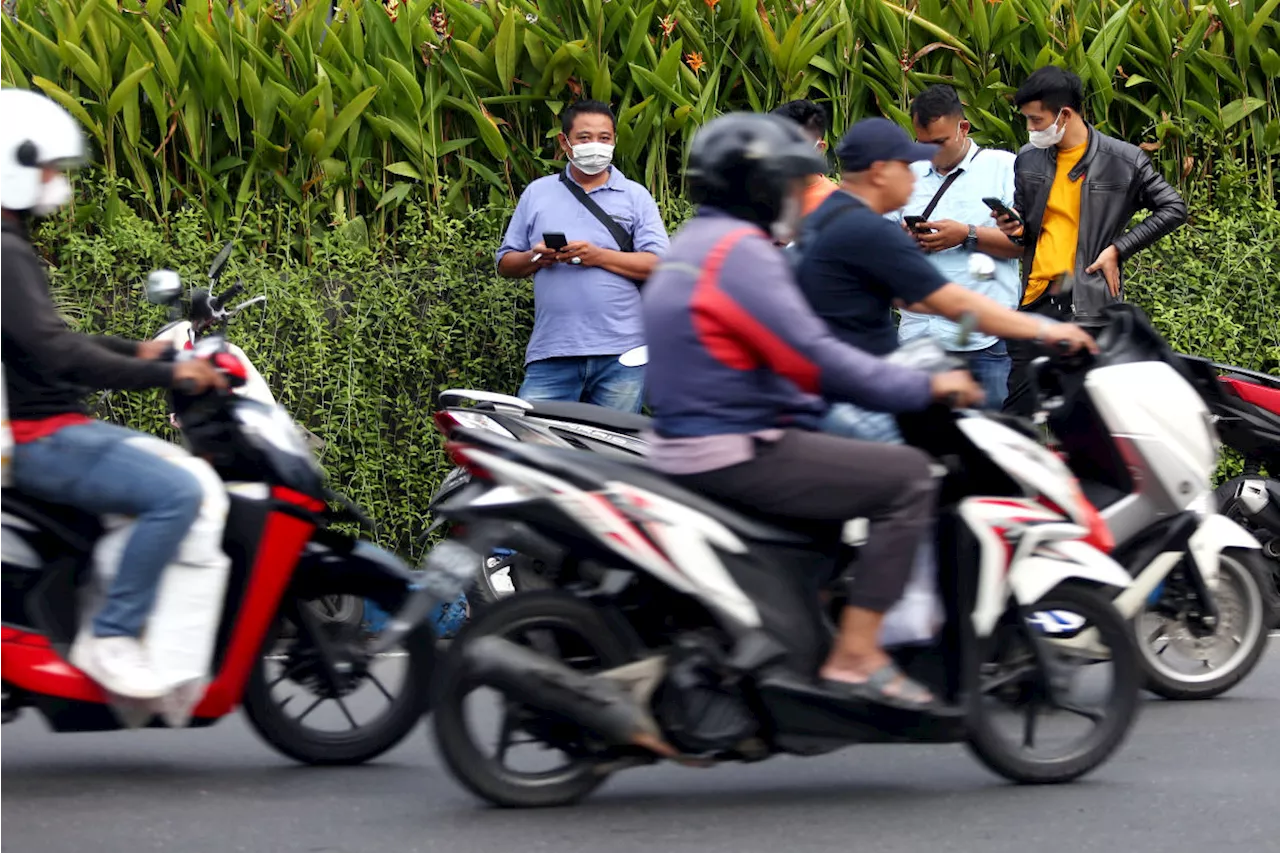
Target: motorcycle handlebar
[{"x": 219, "y": 301}]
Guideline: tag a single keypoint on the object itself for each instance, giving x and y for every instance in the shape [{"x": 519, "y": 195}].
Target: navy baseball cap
[{"x": 874, "y": 139}]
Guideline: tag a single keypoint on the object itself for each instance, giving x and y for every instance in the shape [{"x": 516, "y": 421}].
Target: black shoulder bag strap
[
  {"x": 623, "y": 239},
  {"x": 937, "y": 197},
  {"x": 946, "y": 185}
]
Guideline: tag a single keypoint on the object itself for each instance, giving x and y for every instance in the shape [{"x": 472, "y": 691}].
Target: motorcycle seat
[
  {"x": 579, "y": 465},
  {"x": 585, "y": 413},
  {"x": 78, "y": 529}
]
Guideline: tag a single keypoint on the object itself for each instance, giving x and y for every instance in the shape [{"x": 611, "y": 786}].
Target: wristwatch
[{"x": 971, "y": 242}]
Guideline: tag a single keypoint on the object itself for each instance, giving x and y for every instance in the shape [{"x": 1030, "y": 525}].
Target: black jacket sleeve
[
  {"x": 1154, "y": 193},
  {"x": 120, "y": 346},
  {"x": 53, "y": 350}
]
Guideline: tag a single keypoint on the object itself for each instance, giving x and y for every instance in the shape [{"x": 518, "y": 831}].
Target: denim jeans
[
  {"x": 105, "y": 469},
  {"x": 990, "y": 367},
  {"x": 598, "y": 379},
  {"x": 850, "y": 421}
]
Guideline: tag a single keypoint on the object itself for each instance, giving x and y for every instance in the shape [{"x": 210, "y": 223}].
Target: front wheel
[
  {"x": 1182, "y": 660},
  {"x": 317, "y": 695},
  {"x": 554, "y": 767},
  {"x": 1068, "y": 676}
]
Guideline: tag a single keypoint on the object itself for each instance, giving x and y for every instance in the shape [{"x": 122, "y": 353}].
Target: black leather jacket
[{"x": 1119, "y": 181}]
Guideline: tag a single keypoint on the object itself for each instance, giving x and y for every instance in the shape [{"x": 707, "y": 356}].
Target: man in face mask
[
  {"x": 947, "y": 218},
  {"x": 63, "y": 456},
  {"x": 812, "y": 119},
  {"x": 586, "y": 289},
  {"x": 1075, "y": 191}
]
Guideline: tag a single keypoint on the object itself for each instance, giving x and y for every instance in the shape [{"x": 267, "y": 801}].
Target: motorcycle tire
[
  {"x": 469, "y": 764},
  {"x": 1247, "y": 573},
  {"x": 990, "y": 748},
  {"x": 281, "y": 730}
]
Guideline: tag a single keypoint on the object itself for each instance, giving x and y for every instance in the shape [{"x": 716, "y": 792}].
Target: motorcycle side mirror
[
  {"x": 164, "y": 287},
  {"x": 982, "y": 267},
  {"x": 637, "y": 357},
  {"x": 220, "y": 262}
]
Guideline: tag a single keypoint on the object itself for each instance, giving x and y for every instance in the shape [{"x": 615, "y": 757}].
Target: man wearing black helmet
[{"x": 739, "y": 367}]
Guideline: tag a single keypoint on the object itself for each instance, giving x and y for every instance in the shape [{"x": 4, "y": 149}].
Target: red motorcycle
[
  {"x": 287, "y": 561},
  {"x": 1246, "y": 410}
]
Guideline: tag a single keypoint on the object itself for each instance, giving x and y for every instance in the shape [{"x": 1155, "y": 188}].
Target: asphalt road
[{"x": 1192, "y": 777}]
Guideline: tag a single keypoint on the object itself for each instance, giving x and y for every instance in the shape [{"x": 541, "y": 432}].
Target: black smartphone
[
  {"x": 999, "y": 209},
  {"x": 914, "y": 222},
  {"x": 554, "y": 240}
]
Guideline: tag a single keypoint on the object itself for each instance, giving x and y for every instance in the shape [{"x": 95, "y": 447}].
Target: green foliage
[
  {"x": 356, "y": 346},
  {"x": 453, "y": 103}
]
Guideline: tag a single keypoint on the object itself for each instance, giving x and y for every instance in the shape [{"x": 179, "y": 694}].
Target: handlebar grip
[
  {"x": 233, "y": 290},
  {"x": 187, "y": 386}
]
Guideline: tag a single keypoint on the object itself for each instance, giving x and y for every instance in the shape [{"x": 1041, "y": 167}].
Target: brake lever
[{"x": 243, "y": 305}]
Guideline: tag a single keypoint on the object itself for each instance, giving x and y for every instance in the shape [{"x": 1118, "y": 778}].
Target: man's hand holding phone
[
  {"x": 542, "y": 257},
  {"x": 581, "y": 253},
  {"x": 1008, "y": 220}
]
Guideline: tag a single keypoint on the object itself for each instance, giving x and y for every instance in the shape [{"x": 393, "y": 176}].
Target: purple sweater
[{"x": 735, "y": 351}]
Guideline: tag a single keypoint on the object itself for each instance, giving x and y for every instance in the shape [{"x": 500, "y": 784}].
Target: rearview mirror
[
  {"x": 220, "y": 262},
  {"x": 981, "y": 266},
  {"x": 164, "y": 287}
]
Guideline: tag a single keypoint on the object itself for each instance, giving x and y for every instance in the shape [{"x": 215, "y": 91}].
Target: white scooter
[{"x": 205, "y": 313}]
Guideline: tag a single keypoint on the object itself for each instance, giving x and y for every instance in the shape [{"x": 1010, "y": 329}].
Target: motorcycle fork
[{"x": 1200, "y": 602}]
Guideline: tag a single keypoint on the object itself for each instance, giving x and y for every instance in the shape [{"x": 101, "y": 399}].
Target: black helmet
[{"x": 743, "y": 164}]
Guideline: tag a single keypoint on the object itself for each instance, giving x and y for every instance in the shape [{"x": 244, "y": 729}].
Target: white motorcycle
[
  {"x": 1137, "y": 435},
  {"x": 1140, "y": 439}
]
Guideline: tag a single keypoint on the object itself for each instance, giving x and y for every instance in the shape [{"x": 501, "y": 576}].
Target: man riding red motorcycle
[{"x": 62, "y": 455}]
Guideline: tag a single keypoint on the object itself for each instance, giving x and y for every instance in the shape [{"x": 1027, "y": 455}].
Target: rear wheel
[
  {"x": 559, "y": 626},
  {"x": 1085, "y": 647},
  {"x": 317, "y": 694},
  {"x": 1183, "y": 660}
]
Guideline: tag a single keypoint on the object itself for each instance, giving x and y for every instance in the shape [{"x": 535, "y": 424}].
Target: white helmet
[{"x": 36, "y": 133}]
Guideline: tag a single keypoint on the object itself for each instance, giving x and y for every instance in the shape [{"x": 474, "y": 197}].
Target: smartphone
[
  {"x": 554, "y": 240},
  {"x": 914, "y": 222},
  {"x": 999, "y": 209}
]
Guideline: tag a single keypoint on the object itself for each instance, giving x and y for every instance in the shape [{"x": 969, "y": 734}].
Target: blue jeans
[
  {"x": 850, "y": 421},
  {"x": 990, "y": 367},
  {"x": 105, "y": 469},
  {"x": 597, "y": 379}
]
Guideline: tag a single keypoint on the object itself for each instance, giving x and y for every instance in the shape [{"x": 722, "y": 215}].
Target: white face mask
[
  {"x": 788, "y": 222},
  {"x": 1050, "y": 136},
  {"x": 592, "y": 157},
  {"x": 53, "y": 194}
]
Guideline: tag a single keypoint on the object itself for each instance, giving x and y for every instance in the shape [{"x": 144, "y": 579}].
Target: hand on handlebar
[
  {"x": 956, "y": 388},
  {"x": 196, "y": 376},
  {"x": 1067, "y": 337}
]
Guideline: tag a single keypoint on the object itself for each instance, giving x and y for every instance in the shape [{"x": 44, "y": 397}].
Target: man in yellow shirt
[
  {"x": 812, "y": 119},
  {"x": 1075, "y": 191}
]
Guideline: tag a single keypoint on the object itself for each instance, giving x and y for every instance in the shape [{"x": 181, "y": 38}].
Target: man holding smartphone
[
  {"x": 948, "y": 218},
  {"x": 1075, "y": 190},
  {"x": 589, "y": 237}
]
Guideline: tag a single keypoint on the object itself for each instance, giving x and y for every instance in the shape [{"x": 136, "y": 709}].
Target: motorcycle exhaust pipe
[{"x": 596, "y": 704}]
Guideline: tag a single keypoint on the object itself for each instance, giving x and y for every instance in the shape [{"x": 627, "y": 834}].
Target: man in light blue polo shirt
[
  {"x": 586, "y": 295},
  {"x": 959, "y": 225}
]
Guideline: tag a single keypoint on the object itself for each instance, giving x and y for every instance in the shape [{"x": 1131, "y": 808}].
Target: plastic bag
[
  {"x": 182, "y": 629},
  {"x": 918, "y": 615}
]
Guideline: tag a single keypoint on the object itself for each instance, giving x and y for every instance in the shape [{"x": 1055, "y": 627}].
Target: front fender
[
  {"x": 1215, "y": 534},
  {"x": 1031, "y": 578}
]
